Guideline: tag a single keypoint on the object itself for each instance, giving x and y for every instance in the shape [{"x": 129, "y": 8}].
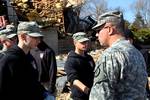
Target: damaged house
[{"x": 57, "y": 18}]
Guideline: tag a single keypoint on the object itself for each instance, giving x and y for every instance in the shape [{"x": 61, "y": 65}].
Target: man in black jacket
[
  {"x": 47, "y": 68},
  {"x": 18, "y": 78},
  {"x": 80, "y": 68}
]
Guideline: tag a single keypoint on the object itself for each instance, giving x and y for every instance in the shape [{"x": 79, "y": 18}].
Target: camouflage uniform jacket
[{"x": 120, "y": 74}]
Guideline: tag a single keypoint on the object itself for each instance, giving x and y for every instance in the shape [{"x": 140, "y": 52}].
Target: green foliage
[
  {"x": 133, "y": 28},
  {"x": 127, "y": 24},
  {"x": 139, "y": 22},
  {"x": 142, "y": 35}
]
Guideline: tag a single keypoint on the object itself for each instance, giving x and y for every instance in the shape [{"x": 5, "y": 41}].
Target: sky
[{"x": 125, "y": 5}]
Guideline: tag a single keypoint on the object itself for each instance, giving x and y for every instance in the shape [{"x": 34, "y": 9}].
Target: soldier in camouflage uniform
[{"x": 120, "y": 72}]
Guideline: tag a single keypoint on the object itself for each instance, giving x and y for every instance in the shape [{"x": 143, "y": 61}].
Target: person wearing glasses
[{"x": 120, "y": 72}]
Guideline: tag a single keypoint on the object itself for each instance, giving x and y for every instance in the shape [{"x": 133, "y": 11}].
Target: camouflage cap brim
[
  {"x": 108, "y": 17},
  {"x": 11, "y": 35},
  {"x": 99, "y": 24},
  {"x": 83, "y": 40},
  {"x": 35, "y": 34}
]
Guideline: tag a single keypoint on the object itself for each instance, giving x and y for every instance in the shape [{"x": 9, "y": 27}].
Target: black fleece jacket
[
  {"x": 46, "y": 65},
  {"x": 18, "y": 78},
  {"x": 81, "y": 68}
]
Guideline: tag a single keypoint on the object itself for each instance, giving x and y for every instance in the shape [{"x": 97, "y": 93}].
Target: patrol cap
[
  {"x": 9, "y": 31},
  {"x": 30, "y": 28},
  {"x": 10, "y": 27},
  {"x": 108, "y": 17},
  {"x": 4, "y": 31},
  {"x": 12, "y": 31},
  {"x": 3, "y": 37},
  {"x": 9, "y": 36},
  {"x": 80, "y": 37}
]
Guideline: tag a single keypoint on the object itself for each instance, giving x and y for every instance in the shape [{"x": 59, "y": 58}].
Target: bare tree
[
  {"x": 143, "y": 7},
  {"x": 94, "y": 7}
]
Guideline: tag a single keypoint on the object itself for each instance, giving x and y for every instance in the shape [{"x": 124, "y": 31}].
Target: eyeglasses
[{"x": 102, "y": 28}]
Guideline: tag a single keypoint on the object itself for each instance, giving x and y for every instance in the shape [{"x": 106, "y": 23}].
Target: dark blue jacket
[
  {"x": 81, "y": 68},
  {"x": 46, "y": 65},
  {"x": 18, "y": 78}
]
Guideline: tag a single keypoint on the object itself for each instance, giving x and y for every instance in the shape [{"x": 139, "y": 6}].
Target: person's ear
[
  {"x": 23, "y": 36},
  {"x": 74, "y": 42},
  {"x": 111, "y": 29}
]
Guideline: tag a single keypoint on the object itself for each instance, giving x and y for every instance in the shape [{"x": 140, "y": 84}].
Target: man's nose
[{"x": 97, "y": 34}]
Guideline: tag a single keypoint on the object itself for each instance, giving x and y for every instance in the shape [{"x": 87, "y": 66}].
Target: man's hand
[
  {"x": 81, "y": 86},
  {"x": 86, "y": 90}
]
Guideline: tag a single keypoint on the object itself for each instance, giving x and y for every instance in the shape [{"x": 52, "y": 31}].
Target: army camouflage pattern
[{"x": 120, "y": 74}]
